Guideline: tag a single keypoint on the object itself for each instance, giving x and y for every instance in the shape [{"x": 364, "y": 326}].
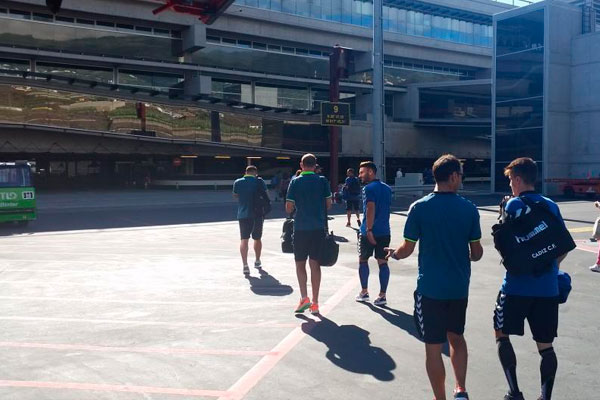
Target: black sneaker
[
  {"x": 518, "y": 396},
  {"x": 461, "y": 396}
]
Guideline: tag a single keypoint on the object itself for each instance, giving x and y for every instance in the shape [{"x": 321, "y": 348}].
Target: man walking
[
  {"x": 374, "y": 232},
  {"x": 310, "y": 196},
  {"x": 351, "y": 191},
  {"x": 527, "y": 296},
  {"x": 446, "y": 226},
  {"x": 251, "y": 224}
]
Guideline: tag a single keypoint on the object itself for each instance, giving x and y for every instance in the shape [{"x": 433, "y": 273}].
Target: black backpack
[
  {"x": 261, "y": 201},
  {"x": 530, "y": 243},
  {"x": 287, "y": 241}
]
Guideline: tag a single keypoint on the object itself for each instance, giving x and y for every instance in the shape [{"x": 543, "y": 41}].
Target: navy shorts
[
  {"x": 435, "y": 318},
  {"x": 307, "y": 244},
  {"x": 251, "y": 226},
  {"x": 541, "y": 313},
  {"x": 366, "y": 249}
]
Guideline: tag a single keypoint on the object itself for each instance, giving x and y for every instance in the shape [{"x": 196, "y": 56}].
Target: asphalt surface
[{"x": 117, "y": 296}]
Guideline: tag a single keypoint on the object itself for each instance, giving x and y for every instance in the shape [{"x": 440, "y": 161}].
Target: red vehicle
[
  {"x": 206, "y": 10},
  {"x": 571, "y": 187}
]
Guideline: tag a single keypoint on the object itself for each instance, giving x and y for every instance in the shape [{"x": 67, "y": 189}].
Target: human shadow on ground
[
  {"x": 403, "y": 321},
  {"x": 349, "y": 348},
  {"x": 267, "y": 285}
]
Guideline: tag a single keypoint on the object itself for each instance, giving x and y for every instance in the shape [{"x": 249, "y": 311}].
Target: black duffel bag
[
  {"x": 530, "y": 243},
  {"x": 287, "y": 239},
  {"x": 329, "y": 251}
]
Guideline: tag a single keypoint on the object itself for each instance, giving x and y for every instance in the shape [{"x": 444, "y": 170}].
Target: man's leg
[
  {"x": 302, "y": 277},
  {"x": 244, "y": 251},
  {"x": 315, "y": 279},
  {"x": 257, "y": 250},
  {"x": 508, "y": 360},
  {"x": 459, "y": 357},
  {"x": 435, "y": 370},
  {"x": 548, "y": 367},
  {"x": 384, "y": 277},
  {"x": 348, "y": 214},
  {"x": 363, "y": 274}
]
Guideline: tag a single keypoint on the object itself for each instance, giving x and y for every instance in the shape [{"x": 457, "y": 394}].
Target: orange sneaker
[
  {"x": 303, "y": 305},
  {"x": 314, "y": 308}
]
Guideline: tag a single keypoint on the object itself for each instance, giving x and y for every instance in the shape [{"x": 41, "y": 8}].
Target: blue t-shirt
[
  {"x": 380, "y": 194},
  {"x": 545, "y": 285},
  {"x": 245, "y": 188},
  {"x": 308, "y": 193},
  {"x": 444, "y": 224},
  {"x": 353, "y": 186}
]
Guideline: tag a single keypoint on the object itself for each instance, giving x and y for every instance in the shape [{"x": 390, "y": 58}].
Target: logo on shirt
[{"x": 537, "y": 230}]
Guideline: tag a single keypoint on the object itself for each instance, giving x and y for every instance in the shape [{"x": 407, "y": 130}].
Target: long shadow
[
  {"x": 267, "y": 285},
  {"x": 403, "y": 321},
  {"x": 349, "y": 348}
]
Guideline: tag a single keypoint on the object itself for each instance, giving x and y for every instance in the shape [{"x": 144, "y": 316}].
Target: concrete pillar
[
  {"x": 193, "y": 38},
  {"x": 195, "y": 84}
]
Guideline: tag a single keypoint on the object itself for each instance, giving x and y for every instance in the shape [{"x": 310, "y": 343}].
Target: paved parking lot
[{"x": 164, "y": 312}]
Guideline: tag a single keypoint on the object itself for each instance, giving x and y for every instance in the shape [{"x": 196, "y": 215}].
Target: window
[
  {"x": 273, "y": 47},
  {"x": 43, "y": 17},
  {"x": 244, "y": 43},
  {"x": 213, "y": 39},
  {"x": 105, "y": 24},
  {"x": 232, "y": 42},
  {"x": 143, "y": 29},
  {"x": 162, "y": 32},
  {"x": 67, "y": 20},
  {"x": 259, "y": 46},
  {"x": 125, "y": 27},
  {"x": 82, "y": 21},
  {"x": 289, "y": 50},
  {"x": 20, "y": 14}
]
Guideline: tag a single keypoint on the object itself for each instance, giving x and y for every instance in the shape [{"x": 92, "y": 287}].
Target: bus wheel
[{"x": 569, "y": 192}]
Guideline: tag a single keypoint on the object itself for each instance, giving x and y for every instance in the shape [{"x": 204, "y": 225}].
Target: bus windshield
[{"x": 14, "y": 176}]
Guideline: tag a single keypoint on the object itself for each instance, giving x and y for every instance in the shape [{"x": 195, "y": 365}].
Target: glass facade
[
  {"x": 409, "y": 22},
  {"x": 87, "y": 39},
  {"x": 436, "y": 105},
  {"x": 38, "y": 106},
  {"x": 519, "y": 89}
]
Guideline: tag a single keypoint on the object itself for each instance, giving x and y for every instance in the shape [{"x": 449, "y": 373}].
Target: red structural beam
[{"x": 206, "y": 10}]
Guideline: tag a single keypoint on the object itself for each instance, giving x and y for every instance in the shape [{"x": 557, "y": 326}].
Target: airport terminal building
[
  {"x": 105, "y": 92},
  {"x": 546, "y": 91}
]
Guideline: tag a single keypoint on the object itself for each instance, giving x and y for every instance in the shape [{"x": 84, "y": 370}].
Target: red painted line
[
  {"x": 584, "y": 247},
  {"x": 151, "y": 350},
  {"x": 251, "y": 378},
  {"x": 157, "y": 323},
  {"x": 115, "y": 388}
]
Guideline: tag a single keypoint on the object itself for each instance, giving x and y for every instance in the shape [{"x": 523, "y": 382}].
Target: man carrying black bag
[
  {"x": 532, "y": 293},
  {"x": 309, "y": 195}
]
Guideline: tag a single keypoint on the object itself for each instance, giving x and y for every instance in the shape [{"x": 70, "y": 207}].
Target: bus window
[{"x": 14, "y": 176}]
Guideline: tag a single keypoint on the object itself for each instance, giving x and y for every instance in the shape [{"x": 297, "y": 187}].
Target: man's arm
[
  {"x": 290, "y": 206},
  {"x": 403, "y": 251},
  {"x": 328, "y": 203},
  {"x": 476, "y": 250},
  {"x": 370, "y": 220}
]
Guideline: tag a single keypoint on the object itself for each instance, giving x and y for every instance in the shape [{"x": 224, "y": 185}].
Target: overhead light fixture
[
  {"x": 189, "y": 156},
  {"x": 253, "y": 158},
  {"x": 223, "y": 157},
  {"x": 283, "y": 158},
  {"x": 479, "y": 160}
]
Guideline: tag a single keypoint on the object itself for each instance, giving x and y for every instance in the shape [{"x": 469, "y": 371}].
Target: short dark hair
[
  {"x": 369, "y": 164},
  {"x": 523, "y": 167},
  {"x": 350, "y": 170},
  {"x": 251, "y": 169},
  {"x": 309, "y": 160},
  {"x": 445, "y": 166}
]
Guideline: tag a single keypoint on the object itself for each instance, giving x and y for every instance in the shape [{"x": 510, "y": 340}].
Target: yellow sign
[{"x": 335, "y": 114}]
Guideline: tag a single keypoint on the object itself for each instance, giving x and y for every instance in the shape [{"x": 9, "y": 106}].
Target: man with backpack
[
  {"x": 528, "y": 295},
  {"x": 251, "y": 192},
  {"x": 351, "y": 193}
]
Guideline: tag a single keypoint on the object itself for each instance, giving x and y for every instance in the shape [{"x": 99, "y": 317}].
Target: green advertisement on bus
[{"x": 17, "y": 194}]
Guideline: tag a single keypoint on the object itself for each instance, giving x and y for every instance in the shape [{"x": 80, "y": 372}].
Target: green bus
[{"x": 17, "y": 194}]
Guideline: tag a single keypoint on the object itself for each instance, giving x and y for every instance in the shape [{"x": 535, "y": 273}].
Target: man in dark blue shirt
[
  {"x": 250, "y": 224},
  {"x": 374, "y": 232},
  {"x": 527, "y": 296},
  {"x": 309, "y": 196},
  {"x": 351, "y": 191},
  {"x": 446, "y": 226}
]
